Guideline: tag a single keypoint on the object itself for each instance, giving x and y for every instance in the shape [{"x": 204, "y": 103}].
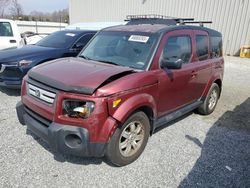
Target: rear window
[
  {"x": 216, "y": 45},
  {"x": 202, "y": 47},
  {"x": 5, "y": 29}
]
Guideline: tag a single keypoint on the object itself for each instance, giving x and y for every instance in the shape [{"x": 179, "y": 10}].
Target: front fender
[{"x": 131, "y": 104}]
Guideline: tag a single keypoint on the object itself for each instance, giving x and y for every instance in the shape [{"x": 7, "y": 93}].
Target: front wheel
[
  {"x": 211, "y": 100},
  {"x": 129, "y": 140}
]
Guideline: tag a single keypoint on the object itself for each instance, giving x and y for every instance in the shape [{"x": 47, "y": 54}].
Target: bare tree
[
  {"x": 3, "y": 5},
  {"x": 16, "y": 9},
  {"x": 56, "y": 16}
]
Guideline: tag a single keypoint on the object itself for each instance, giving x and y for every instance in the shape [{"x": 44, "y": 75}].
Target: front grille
[{"x": 41, "y": 94}]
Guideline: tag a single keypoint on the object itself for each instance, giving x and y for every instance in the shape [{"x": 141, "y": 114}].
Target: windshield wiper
[
  {"x": 102, "y": 61},
  {"x": 108, "y": 62},
  {"x": 84, "y": 57}
]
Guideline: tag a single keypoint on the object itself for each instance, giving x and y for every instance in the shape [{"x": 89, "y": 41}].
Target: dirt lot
[{"x": 196, "y": 151}]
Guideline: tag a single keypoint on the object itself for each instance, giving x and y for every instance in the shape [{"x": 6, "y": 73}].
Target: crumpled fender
[{"x": 132, "y": 104}]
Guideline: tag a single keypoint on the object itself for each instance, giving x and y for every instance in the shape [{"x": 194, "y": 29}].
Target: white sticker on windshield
[
  {"x": 138, "y": 38},
  {"x": 71, "y": 34}
]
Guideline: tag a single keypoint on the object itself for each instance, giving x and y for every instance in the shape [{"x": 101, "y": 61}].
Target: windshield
[
  {"x": 124, "y": 48},
  {"x": 60, "y": 39}
]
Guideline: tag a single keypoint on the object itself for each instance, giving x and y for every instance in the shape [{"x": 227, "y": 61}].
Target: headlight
[
  {"x": 11, "y": 64},
  {"x": 77, "y": 109},
  {"x": 24, "y": 63}
]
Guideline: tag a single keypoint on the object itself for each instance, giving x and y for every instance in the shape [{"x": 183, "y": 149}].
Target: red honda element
[{"x": 128, "y": 81}]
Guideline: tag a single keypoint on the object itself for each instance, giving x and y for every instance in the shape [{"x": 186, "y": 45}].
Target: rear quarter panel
[{"x": 217, "y": 73}]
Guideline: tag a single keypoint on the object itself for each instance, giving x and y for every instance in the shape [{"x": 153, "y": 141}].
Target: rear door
[
  {"x": 202, "y": 62},
  {"x": 7, "y": 39}
]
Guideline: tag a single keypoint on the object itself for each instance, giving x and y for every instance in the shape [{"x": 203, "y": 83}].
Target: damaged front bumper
[{"x": 62, "y": 138}]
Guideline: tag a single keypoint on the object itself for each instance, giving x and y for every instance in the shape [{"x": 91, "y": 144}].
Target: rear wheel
[
  {"x": 129, "y": 140},
  {"x": 211, "y": 100}
]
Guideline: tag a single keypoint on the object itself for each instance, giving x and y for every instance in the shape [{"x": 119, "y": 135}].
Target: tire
[
  {"x": 211, "y": 100},
  {"x": 129, "y": 140}
]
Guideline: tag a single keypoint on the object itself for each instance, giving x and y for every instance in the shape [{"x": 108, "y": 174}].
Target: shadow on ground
[
  {"x": 10, "y": 92},
  {"x": 225, "y": 155}
]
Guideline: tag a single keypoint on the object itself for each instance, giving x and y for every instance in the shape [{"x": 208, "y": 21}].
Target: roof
[
  {"x": 159, "y": 28},
  {"x": 148, "y": 28},
  {"x": 6, "y": 20},
  {"x": 76, "y": 31}
]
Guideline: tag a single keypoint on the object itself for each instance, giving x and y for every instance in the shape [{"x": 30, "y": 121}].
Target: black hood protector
[{"x": 74, "y": 89}]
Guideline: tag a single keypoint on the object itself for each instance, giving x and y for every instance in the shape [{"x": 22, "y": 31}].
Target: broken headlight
[{"x": 77, "y": 108}]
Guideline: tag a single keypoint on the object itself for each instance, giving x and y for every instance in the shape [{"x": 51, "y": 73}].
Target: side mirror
[
  {"x": 77, "y": 47},
  {"x": 171, "y": 64}
]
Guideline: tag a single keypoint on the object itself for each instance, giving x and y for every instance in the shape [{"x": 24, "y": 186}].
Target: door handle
[{"x": 12, "y": 41}]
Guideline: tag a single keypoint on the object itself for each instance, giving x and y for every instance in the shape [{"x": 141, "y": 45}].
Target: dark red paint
[{"x": 160, "y": 90}]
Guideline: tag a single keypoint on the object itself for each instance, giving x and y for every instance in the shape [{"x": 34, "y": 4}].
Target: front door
[
  {"x": 7, "y": 39},
  {"x": 175, "y": 86}
]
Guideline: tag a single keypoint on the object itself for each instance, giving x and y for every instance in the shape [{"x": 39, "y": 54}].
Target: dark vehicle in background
[
  {"x": 127, "y": 82},
  {"x": 15, "y": 63}
]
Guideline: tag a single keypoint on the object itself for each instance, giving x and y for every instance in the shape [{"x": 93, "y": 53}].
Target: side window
[
  {"x": 5, "y": 29},
  {"x": 202, "y": 47},
  {"x": 216, "y": 45},
  {"x": 178, "y": 47},
  {"x": 83, "y": 41}
]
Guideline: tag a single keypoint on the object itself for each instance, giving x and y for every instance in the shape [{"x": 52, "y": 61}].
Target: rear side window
[
  {"x": 178, "y": 47},
  {"x": 5, "y": 29},
  {"x": 216, "y": 45},
  {"x": 202, "y": 47}
]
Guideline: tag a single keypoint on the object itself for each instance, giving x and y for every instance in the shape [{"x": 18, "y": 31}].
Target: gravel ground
[{"x": 196, "y": 151}]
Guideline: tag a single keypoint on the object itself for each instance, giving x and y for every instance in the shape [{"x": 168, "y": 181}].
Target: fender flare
[{"x": 210, "y": 82}]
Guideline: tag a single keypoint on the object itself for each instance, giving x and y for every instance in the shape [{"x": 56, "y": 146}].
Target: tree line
[{"x": 12, "y": 9}]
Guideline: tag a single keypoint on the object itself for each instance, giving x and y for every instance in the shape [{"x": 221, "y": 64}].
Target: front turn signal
[{"x": 116, "y": 102}]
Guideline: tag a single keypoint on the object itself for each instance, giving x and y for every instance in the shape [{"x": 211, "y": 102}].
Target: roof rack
[
  {"x": 154, "y": 19},
  {"x": 161, "y": 19}
]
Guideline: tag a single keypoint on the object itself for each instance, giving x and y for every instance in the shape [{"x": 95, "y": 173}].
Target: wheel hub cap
[
  {"x": 131, "y": 138},
  {"x": 212, "y": 99}
]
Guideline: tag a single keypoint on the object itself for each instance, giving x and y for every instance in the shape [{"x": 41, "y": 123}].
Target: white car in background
[
  {"x": 9, "y": 35},
  {"x": 32, "y": 38}
]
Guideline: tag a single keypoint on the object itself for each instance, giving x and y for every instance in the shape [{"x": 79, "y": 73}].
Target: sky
[{"x": 43, "y": 5}]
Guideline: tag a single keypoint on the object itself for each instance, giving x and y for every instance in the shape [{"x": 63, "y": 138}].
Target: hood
[
  {"x": 26, "y": 52},
  {"x": 77, "y": 75}
]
